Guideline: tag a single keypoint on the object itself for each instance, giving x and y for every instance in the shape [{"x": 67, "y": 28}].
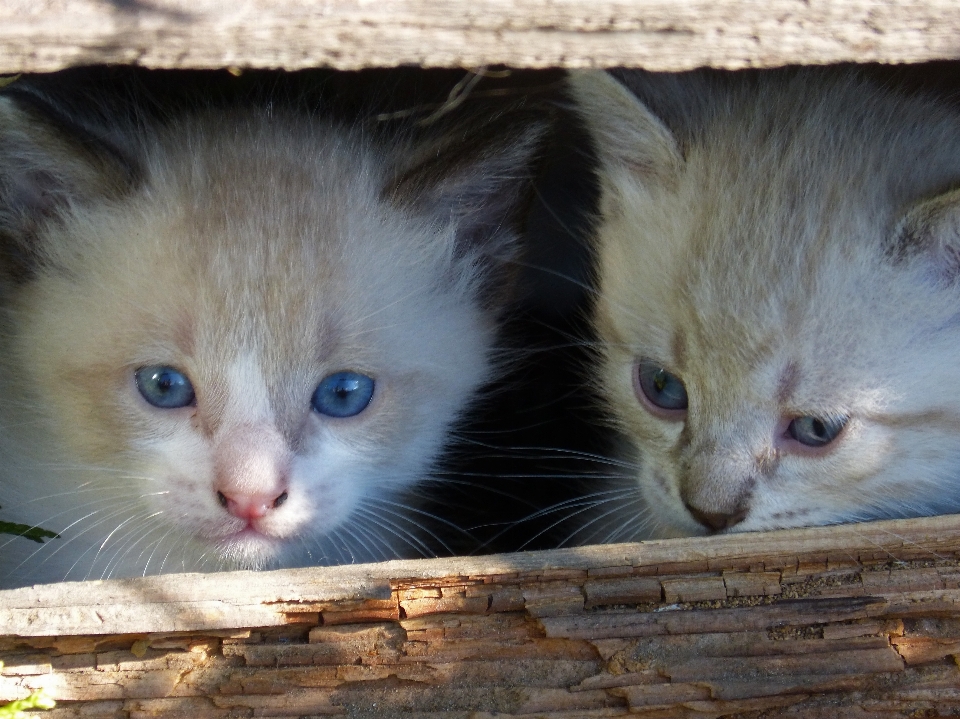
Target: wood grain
[
  {"x": 859, "y": 620},
  {"x": 47, "y": 35},
  {"x": 539, "y": 580}
]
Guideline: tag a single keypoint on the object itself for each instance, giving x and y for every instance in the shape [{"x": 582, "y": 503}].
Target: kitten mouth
[
  {"x": 248, "y": 548},
  {"x": 230, "y": 537},
  {"x": 249, "y": 533}
]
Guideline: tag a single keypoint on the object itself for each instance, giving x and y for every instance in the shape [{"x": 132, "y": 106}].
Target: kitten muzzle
[
  {"x": 717, "y": 521},
  {"x": 250, "y": 506},
  {"x": 252, "y": 472}
]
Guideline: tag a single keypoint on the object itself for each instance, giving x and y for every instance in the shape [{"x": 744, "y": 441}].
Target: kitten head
[
  {"x": 233, "y": 337},
  {"x": 778, "y": 301}
]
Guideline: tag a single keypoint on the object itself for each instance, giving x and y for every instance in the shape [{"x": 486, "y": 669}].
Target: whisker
[
  {"x": 126, "y": 547},
  {"x": 407, "y": 510},
  {"x": 559, "y": 452},
  {"x": 406, "y": 536},
  {"x": 619, "y": 529},
  {"x": 118, "y": 511},
  {"x": 580, "y": 504},
  {"x": 349, "y": 529},
  {"x": 113, "y": 531}
]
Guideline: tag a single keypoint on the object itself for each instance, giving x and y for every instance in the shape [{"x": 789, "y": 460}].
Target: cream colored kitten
[
  {"x": 779, "y": 297},
  {"x": 231, "y": 336}
]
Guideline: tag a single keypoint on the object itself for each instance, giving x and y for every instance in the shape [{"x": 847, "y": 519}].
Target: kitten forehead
[
  {"x": 768, "y": 251},
  {"x": 296, "y": 261},
  {"x": 774, "y": 187},
  {"x": 788, "y": 381},
  {"x": 246, "y": 396}
]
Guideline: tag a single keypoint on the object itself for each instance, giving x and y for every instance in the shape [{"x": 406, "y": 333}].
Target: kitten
[
  {"x": 232, "y": 335},
  {"x": 778, "y": 297}
]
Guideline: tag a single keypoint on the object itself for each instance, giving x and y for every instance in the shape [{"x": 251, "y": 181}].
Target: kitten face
[
  {"x": 778, "y": 322},
  {"x": 241, "y": 361}
]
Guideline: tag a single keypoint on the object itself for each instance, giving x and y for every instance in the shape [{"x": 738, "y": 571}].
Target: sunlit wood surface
[
  {"x": 802, "y": 623},
  {"x": 658, "y": 34}
]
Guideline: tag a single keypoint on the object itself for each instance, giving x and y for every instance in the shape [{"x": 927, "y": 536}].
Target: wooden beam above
[{"x": 46, "y": 35}]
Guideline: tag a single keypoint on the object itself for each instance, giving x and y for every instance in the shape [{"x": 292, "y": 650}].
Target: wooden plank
[
  {"x": 752, "y": 584},
  {"x": 622, "y": 591},
  {"x": 194, "y": 602},
  {"x": 694, "y": 589},
  {"x": 835, "y": 615},
  {"x": 657, "y": 34}
]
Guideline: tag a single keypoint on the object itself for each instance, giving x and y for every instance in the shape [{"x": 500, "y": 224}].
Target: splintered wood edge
[
  {"x": 229, "y": 600},
  {"x": 349, "y": 34}
]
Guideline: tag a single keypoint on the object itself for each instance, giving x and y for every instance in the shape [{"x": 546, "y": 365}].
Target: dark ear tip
[
  {"x": 48, "y": 161},
  {"x": 474, "y": 167},
  {"x": 477, "y": 176},
  {"x": 930, "y": 231},
  {"x": 86, "y": 134}
]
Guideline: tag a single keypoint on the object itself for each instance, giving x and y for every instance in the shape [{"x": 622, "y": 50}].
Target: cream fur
[
  {"x": 261, "y": 253},
  {"x": 790, "y": 251}
]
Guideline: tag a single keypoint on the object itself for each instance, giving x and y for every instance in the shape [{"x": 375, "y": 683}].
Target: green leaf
[
  {"x": 15, "y": 710},
  {"x": 37, "y": 534}
]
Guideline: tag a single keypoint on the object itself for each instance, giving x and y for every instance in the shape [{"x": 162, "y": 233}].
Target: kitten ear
[
  {"x": 931, "y": 229},
  {"x": 479, "y": 179},
  {"x": 626, "y": 133},
  {"x": 49, "y": 162}
]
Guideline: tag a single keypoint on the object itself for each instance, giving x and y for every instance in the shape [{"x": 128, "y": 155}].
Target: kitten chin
[
  {"x": 233, "y": 335},
  {"x": 778, "y": 297}
]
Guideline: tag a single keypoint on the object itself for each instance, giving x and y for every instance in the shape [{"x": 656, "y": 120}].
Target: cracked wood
[{"x": 348, "y": 34}]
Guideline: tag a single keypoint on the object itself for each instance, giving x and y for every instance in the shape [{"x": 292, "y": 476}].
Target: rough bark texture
[
  {"x": 859, "y": 620},
  {"x": 42, "y": 35}
]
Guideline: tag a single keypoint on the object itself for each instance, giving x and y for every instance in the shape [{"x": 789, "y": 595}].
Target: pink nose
[
  {"x": 251, "y": 471},
  {"x": 250, "y": 506}
]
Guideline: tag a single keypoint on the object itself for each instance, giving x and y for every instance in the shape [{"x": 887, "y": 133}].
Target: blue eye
[
  {"x": 663, "y": 389},
  {"x": 342, "y": 394},
  {"x": 816, "y": 431},
  {"x": 164, "y": 386}
]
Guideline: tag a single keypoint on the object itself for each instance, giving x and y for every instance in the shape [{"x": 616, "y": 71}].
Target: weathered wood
[
  {"x": 856, "y": 621},
  {"x": 658, "y": 34},
  {"x": 193, "y": 602}
]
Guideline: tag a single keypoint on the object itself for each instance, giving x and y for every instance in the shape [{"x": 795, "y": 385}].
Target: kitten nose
[
  {"x": 716, "y": 522},
  {"x": 251, "y": 471},
  {"x": 250, "y": 506}
]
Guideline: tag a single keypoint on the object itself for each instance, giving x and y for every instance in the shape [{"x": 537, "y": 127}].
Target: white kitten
[
  {"x": 231, "y": 336},
  {"x": 779, "y": 296}
]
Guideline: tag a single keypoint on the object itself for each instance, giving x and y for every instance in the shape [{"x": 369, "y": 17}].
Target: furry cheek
[
  {"x": 661, "y": 492},
  {"x": 327, "y": 483},
  {"x": 802, "y": 492},
  {"x": 176, "y": 476},
  {"x": 861, "y": 452},
  {"x": 662, "y": 497}
]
